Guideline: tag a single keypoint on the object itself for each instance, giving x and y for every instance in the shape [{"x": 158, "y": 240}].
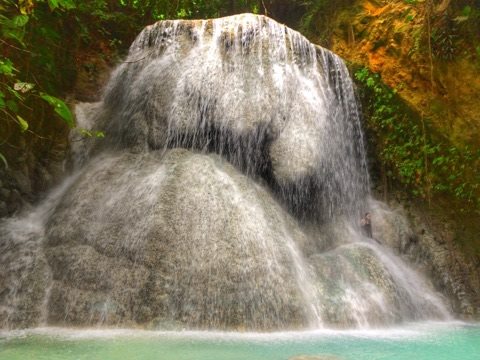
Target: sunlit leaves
[
  {"x": 23, "y": 123},
  {"x": 26, "y": 6},
  {"x": 14, "y": 28},
  {"x": 62, "y": 4},
  {"x": 23, "y": 87},
  {"x": 60, "y": 108},
  {"x": 53, "y": 4},
  {"x": 6, "y": 67},
  {"x": 20, "y": 20},
  {"x": 410, "y": 152},
  {"x": 91, "y": 133}
]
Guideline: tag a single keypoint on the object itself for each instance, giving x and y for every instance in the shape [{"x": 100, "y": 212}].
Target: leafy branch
[{"x": 413, "y": 155}]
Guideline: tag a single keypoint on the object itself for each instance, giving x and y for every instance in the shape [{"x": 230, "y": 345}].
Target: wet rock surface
[
  {"x": 24, "y": 276},
  {"x": 431, "y": 248},
  {"x": 30, "y": 176},
  {"x": 158, "y": 230},
  {"x": 182, "y": 239},
  {"x": 172, "y": 240}
]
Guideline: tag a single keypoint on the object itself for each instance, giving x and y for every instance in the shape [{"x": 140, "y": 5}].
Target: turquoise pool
[{"x": 435, "y": 341}]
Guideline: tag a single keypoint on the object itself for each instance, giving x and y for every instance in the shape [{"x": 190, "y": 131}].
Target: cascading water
[
  {"x": 254, "y": 91},
  {"x": 226, "y": 140}
]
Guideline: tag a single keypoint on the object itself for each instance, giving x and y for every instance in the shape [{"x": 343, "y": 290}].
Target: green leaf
[
  {"x": 23, "y": 124},
  {"x": 15, "y": 93},
  {"x": 60, "y": 108},
  {"x": 66, "y": 4},
  {"x": 53, "y": 4},
  {"x": 85, "y": 132},
  {"x": 467, "y": 11},
  {"x": 91, "y": 133},
  {"x": 4, "y": 160},
  {"x": 13, "y": 28},
  {"x": 16, "y": 35},
  {"x": 20, "y": 20},
  {"x": 12, "y": 106},
  {"x": 6, "y": 67}
]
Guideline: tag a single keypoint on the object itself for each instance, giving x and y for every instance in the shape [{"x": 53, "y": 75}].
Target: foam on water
[{"x": 407, "y": 331}]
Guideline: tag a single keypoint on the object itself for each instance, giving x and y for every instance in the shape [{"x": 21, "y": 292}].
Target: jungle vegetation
[{"x": 43, "y": 43}]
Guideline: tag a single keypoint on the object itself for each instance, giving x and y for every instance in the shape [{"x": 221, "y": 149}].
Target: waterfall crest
[
  {"x": 255, "y": 92},
  {"x": 226, "y": 195}
]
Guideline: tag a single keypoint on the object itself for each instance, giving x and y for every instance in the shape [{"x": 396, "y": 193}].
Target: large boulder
[
  {"x": 362, "y": 285},
  {"x": 250, "y": 89},
  {"x": 176, "y": 238}
]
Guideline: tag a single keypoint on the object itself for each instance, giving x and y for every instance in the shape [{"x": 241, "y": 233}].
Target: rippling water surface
[{"x": 452, "y": 341}]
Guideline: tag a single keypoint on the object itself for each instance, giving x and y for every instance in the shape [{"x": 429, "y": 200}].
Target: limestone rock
[
  {"x": 361, "y": 285},
  {"x": 433, "y": 251},
  {"x": 257, "y": 93},
  {"x": 181, "y": 237}
]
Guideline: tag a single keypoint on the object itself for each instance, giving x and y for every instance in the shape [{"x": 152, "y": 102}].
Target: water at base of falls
[
  {"x": 422, "y": 342},
  {"x": 226, "y": 195}
]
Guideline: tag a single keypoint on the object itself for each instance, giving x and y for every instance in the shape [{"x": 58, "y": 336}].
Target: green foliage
[
  {"x": 188, "y": 9},
  {"x": 467, "y": 11},
  {"x": 91, "y": 133},
  {"x": 318, "y": 16},
  {"x": 412, "y": 154},
  {"x": 41, "y": 40},
  {"x": 62, "y": 4},
  {"x": 6, "y": 67},
  {"x": 409, "y": 18},
  {"x": 13, "y": 28},
  {"x": 37, "y": 39},
  {"x": 4, "y": 161},
  {"x": 23, "y": 123},
  {"x": 60, "y": 108}
]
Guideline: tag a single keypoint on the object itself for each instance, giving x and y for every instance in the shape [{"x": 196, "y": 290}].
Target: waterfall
[
  {"x": 225, "y": 195},
  {"x": 255, "y": 92}
]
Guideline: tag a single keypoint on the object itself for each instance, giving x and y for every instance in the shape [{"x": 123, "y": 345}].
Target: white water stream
[{"x": 225, "y": 140}]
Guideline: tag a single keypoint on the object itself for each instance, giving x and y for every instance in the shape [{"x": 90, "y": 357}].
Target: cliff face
[
  {"x": 38, "y": 159},
  {"x": 427, "y": 54},
  {"x": 429, "y": 243},
  {"x": 439, "y": 82},
  {"x": 35, "y": 163},
  {"x": 144, "y": 235},
  {"x": 425, "y": 61}
]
